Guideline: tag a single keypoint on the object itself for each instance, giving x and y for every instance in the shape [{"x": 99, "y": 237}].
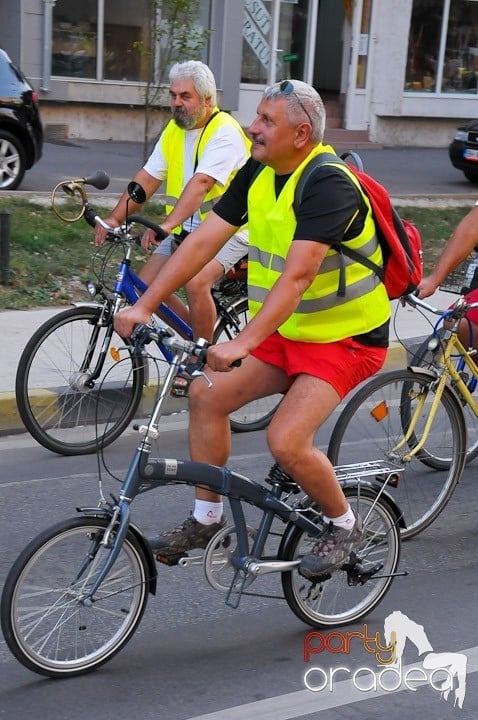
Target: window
[
  {"x": 443, "y": 47},
  {"x": 106, "y": 39},
  {"x": 256, "y": 43}
]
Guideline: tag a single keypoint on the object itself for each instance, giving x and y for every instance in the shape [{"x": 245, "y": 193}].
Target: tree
[{"x": 175, "y": 35}]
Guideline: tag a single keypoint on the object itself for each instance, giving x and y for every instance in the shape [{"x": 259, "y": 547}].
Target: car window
[{"x": 8, "y": 73}]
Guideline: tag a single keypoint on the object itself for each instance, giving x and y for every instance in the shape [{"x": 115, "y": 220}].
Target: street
[
  {"x": 193, "y": 657},
  {"x": 404, "y": 171}
]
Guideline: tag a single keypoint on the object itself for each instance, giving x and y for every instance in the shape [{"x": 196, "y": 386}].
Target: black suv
[{"x": 21, "y": 131}]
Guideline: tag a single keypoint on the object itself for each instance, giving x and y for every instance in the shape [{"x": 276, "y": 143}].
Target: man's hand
[
  {"x": 101, "y": 233},
  {"x": 125, "y": 321},
  {"x": 426, "y": 287},
  {"x": 220, "y": 357},
  {"x": 149, "y": 241}
]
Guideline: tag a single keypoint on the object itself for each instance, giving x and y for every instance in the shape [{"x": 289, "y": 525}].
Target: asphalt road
[
  {"x": 195, "y": 658},
  {"x": 404, "y": 171}
]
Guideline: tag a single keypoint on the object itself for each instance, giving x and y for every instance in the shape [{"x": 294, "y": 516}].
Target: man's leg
[
  {"x": 149, "y": 271},
  {"x": 305, "y": 408},
  {"x": 202, "y": 310},
  {"x": 290, "y": 437},
  {"x": 210, "y": 438}
]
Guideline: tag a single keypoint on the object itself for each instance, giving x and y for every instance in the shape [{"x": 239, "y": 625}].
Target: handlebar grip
[
  {"x": 160, "y": 233},
  {"x": 236, "y": 363},
  {"x": 90, "y": 216}
]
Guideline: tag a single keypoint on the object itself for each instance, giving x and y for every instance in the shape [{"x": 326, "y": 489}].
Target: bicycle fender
[
  {"x": 142, "y": 542},
  {"x": 86, "y": 303}
]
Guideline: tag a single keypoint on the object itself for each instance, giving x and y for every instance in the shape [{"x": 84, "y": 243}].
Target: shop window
[
  {"x": 74, "y": 39},
  {"x": 256, "y": 45},
  {"x": 443, "y": 47},
  {"x": 118, "y": 48}
]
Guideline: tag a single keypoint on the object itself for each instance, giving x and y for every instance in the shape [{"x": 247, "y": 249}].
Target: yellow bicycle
[{"x": 415, "y": 417}]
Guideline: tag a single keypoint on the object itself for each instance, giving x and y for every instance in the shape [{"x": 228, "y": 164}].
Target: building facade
[{"x": 404, "y": 71}]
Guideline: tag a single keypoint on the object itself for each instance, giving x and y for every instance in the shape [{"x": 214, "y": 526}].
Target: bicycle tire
[
  {"x": 257, "y": 414},
  {"x": 44, "y": 623},
  {"x": 424, "y": 357},
  {"x": 54, "y": 401},
  {"x": 373, "y": 422},
  {"x": 337, "y": 600}
]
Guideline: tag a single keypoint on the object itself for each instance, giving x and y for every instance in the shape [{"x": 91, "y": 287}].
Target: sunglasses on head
[{"x": 287, "y": 88}]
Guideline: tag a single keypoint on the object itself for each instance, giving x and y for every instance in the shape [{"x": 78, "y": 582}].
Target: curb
[{"x": 10, "y": 422}]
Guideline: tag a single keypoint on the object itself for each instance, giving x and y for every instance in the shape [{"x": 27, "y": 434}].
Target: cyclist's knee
[
  {"x": 205, "y": 278},
  {"x": 285, "y": 452}
]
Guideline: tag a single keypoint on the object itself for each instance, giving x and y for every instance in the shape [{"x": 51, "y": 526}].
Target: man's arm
[
  {"x": 118, "y": 215},
  {"x": 458, "y": 247},
  {"x": 191, "y": 199},
  {"x": 195, "y": 251}
]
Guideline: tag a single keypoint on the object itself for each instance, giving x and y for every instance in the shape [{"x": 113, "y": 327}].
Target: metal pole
[{"x": 5, "y": 246}]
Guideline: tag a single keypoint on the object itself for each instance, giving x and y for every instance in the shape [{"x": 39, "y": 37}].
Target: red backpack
[{"x": 399, "y": 239}]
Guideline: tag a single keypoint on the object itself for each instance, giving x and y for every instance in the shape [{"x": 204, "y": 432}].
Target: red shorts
[
  {"x": 472, "y": 315},
  {"x": 343, "y": 364}
]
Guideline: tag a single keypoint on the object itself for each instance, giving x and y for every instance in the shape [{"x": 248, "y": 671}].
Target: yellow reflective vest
[
  {"x": 173, "y": 141},
  {"x": 321, "y": 316}
]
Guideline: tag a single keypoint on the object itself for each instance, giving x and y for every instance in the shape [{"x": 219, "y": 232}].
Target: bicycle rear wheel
[
  {"x": 373, "y": 424},
  {"x": 64, "y": 407},
  {"x": 349, "y": 593},
  {"x": 257, "y": 414},
  {"x": 424, "y": 357},
  {"x": 46, "y": 625}
]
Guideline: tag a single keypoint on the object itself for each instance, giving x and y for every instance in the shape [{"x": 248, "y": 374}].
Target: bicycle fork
[{"x": 420, "y": 397}]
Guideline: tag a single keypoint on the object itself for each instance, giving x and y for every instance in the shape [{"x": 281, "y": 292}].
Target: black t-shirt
[{"x": 327, "y": 214}]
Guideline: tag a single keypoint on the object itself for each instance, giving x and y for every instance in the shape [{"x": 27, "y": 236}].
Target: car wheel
[
  {"x": 471, "y": 175},
  {"x": 12, "y": 161}
]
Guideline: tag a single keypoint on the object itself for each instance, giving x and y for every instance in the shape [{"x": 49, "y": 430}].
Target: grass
[{"x": 50, "y": 260}]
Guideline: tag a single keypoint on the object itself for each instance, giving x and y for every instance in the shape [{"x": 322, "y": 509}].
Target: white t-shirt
[{"x": 224, "y": 153}]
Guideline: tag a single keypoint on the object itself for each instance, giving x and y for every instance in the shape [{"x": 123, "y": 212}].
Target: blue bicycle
[{"x": 78, "y": 384}]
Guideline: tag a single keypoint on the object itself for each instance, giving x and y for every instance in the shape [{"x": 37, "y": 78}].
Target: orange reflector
[
  {"x": 114, "y": 352},
  {"x": 380, "y": 411}
]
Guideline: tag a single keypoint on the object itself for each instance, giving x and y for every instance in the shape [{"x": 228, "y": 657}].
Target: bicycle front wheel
[
  {"x": 257, "y": 414},
  {"x": 349, "y": 593},
  {"x": 376, "y": 424},
  {"x": 72, "y": 395},
  {"x": 45, "y": 623},
  {"x": 424, "y": 357}
]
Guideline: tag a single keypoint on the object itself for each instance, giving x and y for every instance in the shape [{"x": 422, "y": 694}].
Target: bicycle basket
[{"x": 464, "y": 277}]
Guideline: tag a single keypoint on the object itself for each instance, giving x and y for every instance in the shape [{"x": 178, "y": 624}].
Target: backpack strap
[{"x": 355, "y": 255}]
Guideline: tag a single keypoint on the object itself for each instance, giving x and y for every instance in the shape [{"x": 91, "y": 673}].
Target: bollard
[{"x": 5, "y": 246}]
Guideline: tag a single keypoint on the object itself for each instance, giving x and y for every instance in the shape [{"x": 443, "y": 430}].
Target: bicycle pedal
[
  {"x": 179, "y": 392},
  {"x": 170, "y": 560}
]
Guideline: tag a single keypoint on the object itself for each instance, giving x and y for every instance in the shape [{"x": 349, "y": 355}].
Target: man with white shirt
[{"x": 197, "y": 155}]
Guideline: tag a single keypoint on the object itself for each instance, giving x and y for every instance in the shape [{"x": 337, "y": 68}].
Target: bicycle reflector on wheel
[{"x": 379, "y": 412}]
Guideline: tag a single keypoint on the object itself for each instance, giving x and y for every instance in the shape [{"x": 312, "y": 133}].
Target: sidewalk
[{"x": 17, "y": 326}]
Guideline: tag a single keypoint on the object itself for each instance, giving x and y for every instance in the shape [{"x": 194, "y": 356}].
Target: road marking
[{"x": 304, "y": 702}]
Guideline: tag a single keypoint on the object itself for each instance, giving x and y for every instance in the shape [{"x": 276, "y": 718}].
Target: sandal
[{"x": 183, "y": 380}]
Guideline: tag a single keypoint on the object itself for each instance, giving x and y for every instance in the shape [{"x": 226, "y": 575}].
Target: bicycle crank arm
[{"x": 262, "y": 568}]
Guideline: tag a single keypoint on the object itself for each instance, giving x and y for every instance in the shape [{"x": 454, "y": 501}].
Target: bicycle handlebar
[
  {"x": 457, "y": 310},
  {"x": 99, "y": 180},
  {"x": 144, "y": 334}
]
